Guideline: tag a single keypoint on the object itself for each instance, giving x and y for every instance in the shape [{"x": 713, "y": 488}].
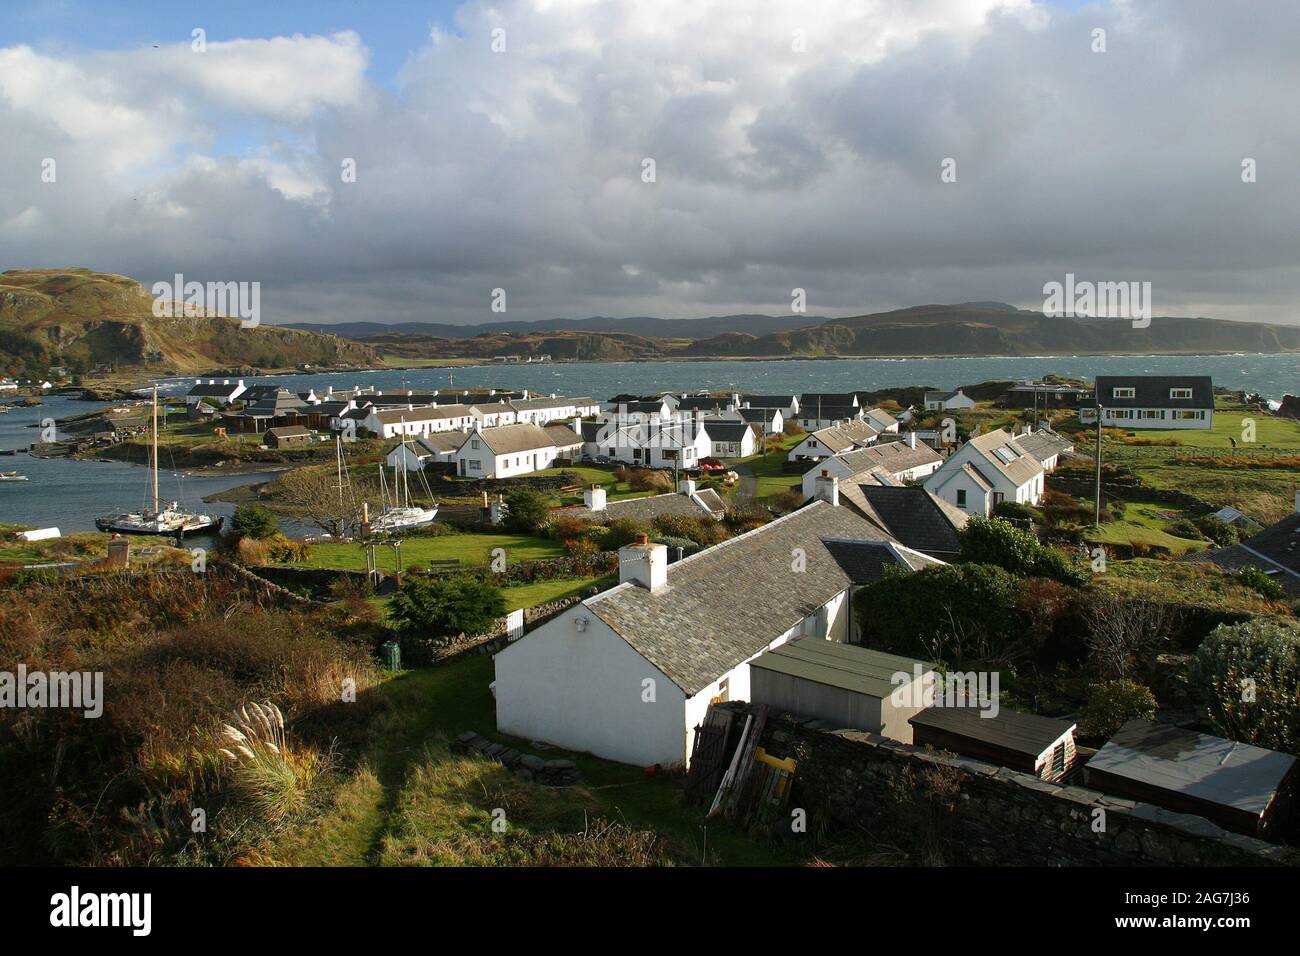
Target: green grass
[
  {"x": 1143, "y": 523},
  {"x": 542, "y": 592},
  {"x": 768, "y": 468},
  {"x": 1270, "y": 432},
  {"x": 395, "y": 806},
  {"x": 470, "y": 549}
]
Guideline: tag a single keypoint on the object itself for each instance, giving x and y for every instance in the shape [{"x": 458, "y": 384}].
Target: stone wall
[
  {"x": 1001, "y": 817},
  {"x": 497, "y": 637}
]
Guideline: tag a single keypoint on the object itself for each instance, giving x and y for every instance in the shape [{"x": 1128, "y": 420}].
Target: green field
[
  {"x": 1270, "y": 432},
  {"x": 541, "y": 592},
  {"x": 471, "y": 550},
  {"x": 768, "y": 468},
  {"x": 1143, "y": 524}
]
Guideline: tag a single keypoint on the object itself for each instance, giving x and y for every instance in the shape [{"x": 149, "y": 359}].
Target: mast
[{"x": 155, "y": 449}]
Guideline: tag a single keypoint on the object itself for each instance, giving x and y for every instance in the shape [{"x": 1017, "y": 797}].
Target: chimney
[
  {"x": 827, "y": 487},
  {"x": 241, "y": 383},
  {"x": 688, "y": 486},
  {"x": 644, "y": 564},
  {"x": 911, "y": 439},
  {"x": 594, "y": 497}
]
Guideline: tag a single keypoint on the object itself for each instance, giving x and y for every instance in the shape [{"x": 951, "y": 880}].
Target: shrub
[
  {"x": 1255, "y": 579},
  {"x": 269, "y": 773},
  {"x": 1125, "y": 634},
  {"x": 786, "y": 501},
  {"x": 1247, "y": 674},
  {"x": 645, "y": 479},
  {"x": 1218, "y": 531},
  {"x": 442, "y": 608},
  {"x": 1112, "y": 704},
  {"x": 252, "y": 552},
  {"x": 253, "y": 521},
  {"x": 1055, "y": 564},
  {"x": 961, "y": 613},
  {"x": 581, "y": 547},
  {"x": 567, "y": 527},
  {"x": 998, "y": 542},
  {"x": 1018, "y": 509},
  {"x": 620, "y": 532},
  {"x": 526, "y": 510}
]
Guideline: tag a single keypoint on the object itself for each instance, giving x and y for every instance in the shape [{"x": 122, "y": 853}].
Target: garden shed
[
  {"x": 845, "y": 685},
  {"x": 1043, "y": 746}
]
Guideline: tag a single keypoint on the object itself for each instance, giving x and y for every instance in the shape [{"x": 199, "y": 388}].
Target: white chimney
[
  {"x": 594, "y": 498},
  {"x": 826, "y": 487},
  {"x": 198, "y": 381},
  {"x": 688, "y": 486},
  {"x": 644, "y": 564},
  {"x": 911, "y": 439}
]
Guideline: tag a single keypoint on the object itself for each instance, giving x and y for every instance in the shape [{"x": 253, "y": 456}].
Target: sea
[{"x": 70, "y": 494}]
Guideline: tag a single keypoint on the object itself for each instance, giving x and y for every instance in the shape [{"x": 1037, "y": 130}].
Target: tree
[
  {"x": 1248, "y": 674},
  {"x": 254, "y": 521},
  {"x": 314, "y": 492},
  {"x": 1124, "y": 633},
  {"x": 1000, "y": 543},
  {"x": 444, "y": 607},
  {"x": 526, "y": 510},
  {"x": 1114, "y": 703}
]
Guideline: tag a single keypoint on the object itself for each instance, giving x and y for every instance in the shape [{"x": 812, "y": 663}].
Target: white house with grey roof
[
  {"x": 986, "y": 471},
  {"x": 223, "y": 392},
  {"x": 833, "y": 441},
  {"x": 1152, "y": 401},
  {"x": 902, "y": 461},
  {"x": 948, "y": 401},
  {"x": 628, "y": 674},
  {"x": 690, "y": 501},
  {"x": 509, "y": 450}
]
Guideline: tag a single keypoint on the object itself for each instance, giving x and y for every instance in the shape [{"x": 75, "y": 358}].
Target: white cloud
[{"x": 775, "y": 168}]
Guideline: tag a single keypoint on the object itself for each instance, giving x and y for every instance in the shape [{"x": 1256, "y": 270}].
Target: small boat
[
  {"x": 402, "y": 512},
  {"x": 8, "y": 451},
  {"x": 12, "y": 476},
  {"x": 173, "y": 521}
]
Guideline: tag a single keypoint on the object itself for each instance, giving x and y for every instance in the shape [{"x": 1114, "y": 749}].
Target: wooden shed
[
  {"x": 1240, "y": 787},
  {"x": 1043, "y": 746},
  {"x": 846, "y": 685}
]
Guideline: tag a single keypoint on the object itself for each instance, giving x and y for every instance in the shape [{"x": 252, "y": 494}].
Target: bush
[
  {"x": 1255, "y": 579},
  {"x": 254, "y": 521},
  {"x": 961, "y": 614},
  {"x": 1055, "y": 564},
  {"x": 1112, "y": 704},
  {"x": 1248, "y": 674},
  {"x": 442, "y": 608},
  {"x": 1218, "y": 531},
  {"x": 786, "y": 501},
  {"x": 645, "y": 479},
  {"x": 1017, "y": 509},
  {"x": 581, "y": 547},
  {"x": 526, "y": 511},
  {"x": 620, "y": 532},
  {"x": 567, "y": 527},
  {"x": 998, "y": 542}
]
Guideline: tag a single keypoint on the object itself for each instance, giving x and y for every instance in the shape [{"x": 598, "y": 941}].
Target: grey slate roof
[
  {"x": 649, "y": 508},
  {"x": 808, "y": 400},
  {"x": 1196, "y": 765},
  {"x": 1028, "y": 734},
  {"x": 214, "y": 389},
  {"x": 1044, "y": 444},
  {"x": 562, "y": 436},
  {"x": 881, "y": 418},
  {"x": 1152, "y": 391},
  {"x": 838, "y": 438},
  {"x": 912, "y": 515},
  {"x": 512, "y": 439},
  {"x": 1021, "y": 469},
  {"x": 846, "y": 666},
  {"x": 894, "y": 456},
  {"x": 1275, "y": 551},
  {"x": 866, "y": 561},
  {"x": 394, "y": 416},
  {"x": 829, "y": 413},
  {"x": 729, "y": 602},
  {"x": 781, "y": 402},
  {"x": 940, "y": 396},
  {"x": 723, "y": 429}
]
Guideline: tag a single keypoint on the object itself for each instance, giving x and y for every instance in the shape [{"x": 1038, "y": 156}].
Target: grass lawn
[
  {"x": 472, "y": 550},
  {"x": 410, "y": 802},
  {"x": 1143, "y": 524},
  {"x": 768, "y": 468},
  {"x": 446, "y": 491},
  {"x": 541, "y": 592},
  {"x": 1270, "y": 432}
]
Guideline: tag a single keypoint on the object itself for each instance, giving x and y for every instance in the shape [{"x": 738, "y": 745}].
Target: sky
[{"x": 397, "y": 161}]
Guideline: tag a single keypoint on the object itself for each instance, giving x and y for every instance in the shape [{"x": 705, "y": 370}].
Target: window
[
  {"x": 1122, "y": 393},
  {"x": 998, "y": 498},
  {"x": 473, "y": 443},
  {"x": 1058, "y": 758},
  {"x": 474, "y": 465},
  {"x": 1180, "y": 393},
  {"x": 961, "y": 497}
]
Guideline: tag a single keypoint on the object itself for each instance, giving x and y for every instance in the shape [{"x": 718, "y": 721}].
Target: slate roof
[
  {"x": 1028, "y": 734},
  {"x": 280, "y": 402},
  {"x": 894, "y": 456},
  {"x": 394, "y": 416},
  {"x": 534, "y": 404},
  {"x": 212, "y": 389},
  {"x": 760, "y": 416},
  {"x": 912, "y": 515},
  {"x": 1022, "y": 469},
  {"x": 940, "y": 396},
  {"x": 562, "y": 436},
  {"x": 840, "y": 438},
  {"x": 781, "y": 402},
  {"x": 649, "y": 508},
  {"x": 847, "y": 666},
  {"x": 881, "y": 418},
  {"x": 288, "y": 431},
  {"x": 808, "y": 400},
  {"x": 727, "y": 603},
  {"x": 1044, "y": 444},
  {"x": 1206, "y": 768},
  {"x": 1152, "y": 391},
  {"x": 829, "y": 413},
  {"x": 512, "y": 439},
  {"x": 722, "y": 429},
  {"x": 1275, "y": 551},
  {"x": 441, "y": 443},
  {"x": 704, "y": 403},
  {"x": 867, "y": 561}
]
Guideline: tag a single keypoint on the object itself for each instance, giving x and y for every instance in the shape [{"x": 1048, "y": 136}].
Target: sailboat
[
  {"x": 12, "y": 476},
  {"x": 172, "y": 520},
  {"x": 401, "y": 513}
]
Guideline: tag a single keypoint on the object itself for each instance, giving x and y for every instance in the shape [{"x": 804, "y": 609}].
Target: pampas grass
[{"x": 269, "y": 774}]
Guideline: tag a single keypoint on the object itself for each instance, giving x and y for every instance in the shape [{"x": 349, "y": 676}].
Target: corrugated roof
[
  {"x": 847, "y": 666},
  {"x": 1028, "y": 734},
  {"x": 1207, "y": 768}
]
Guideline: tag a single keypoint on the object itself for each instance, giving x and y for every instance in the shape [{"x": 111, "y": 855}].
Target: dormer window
[
  {"x": 1122, "y": 393},
  {"x": 1180, "y": 393}
]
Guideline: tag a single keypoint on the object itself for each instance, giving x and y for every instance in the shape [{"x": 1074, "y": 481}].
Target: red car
[{"x": 711, "y": 464}]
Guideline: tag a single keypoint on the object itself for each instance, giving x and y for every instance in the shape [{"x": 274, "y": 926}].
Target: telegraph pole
[{"x": 1096, "y": 520}]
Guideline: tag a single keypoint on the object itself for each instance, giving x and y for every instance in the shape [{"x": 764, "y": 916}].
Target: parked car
[{"x": 711, "y": 464}]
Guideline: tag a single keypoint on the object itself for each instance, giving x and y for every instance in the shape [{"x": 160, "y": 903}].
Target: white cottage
[
  {"x": 627, "y": 674},
  {"x": 509, "y": 450},
  {"x": 986, "y": 471}
]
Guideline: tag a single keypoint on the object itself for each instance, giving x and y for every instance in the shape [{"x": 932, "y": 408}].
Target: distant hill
[
  {"x": 647, "y": 326},
  {"x": 80, "y": 318},
  {"x": 995, "y": 328}
]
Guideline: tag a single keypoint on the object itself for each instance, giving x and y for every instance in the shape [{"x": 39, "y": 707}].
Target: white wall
[{"x": 582, "y": 690}]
